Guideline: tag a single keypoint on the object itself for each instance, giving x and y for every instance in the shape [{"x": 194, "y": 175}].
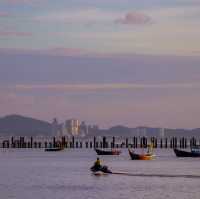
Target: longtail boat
[
  {"x": 146, "y": 156},
  {"x": 53, "y": 149},
  {"x": 195, "y": 152},
  {"x": 108, "y": 152}
]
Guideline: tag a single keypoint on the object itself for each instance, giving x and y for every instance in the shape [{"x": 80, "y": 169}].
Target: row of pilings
[{"x": 100, "y": 142}]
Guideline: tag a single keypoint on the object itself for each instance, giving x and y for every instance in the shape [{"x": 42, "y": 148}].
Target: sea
[{"x": 36, "y": 174}]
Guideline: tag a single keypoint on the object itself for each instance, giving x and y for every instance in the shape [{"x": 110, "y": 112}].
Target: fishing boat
[
  {"x": 54, "y": 149},
  {"x": 108, "y": 152},
  {"x": 195, "y": 152},
  {"x": 145, "y": 156}
]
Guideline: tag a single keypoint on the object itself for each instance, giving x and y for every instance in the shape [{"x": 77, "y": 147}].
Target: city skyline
[{"x": 134, "y": 63}]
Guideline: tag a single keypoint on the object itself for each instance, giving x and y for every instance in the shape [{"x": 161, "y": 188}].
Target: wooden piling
[
  {"x": 94, "y": 142},
  {"x": 104, "y": 142}
]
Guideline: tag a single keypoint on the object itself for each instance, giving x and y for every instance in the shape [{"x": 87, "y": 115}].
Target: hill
[
  {"x": 17, "y": 125},
  {"x": 23, "y": 126}
]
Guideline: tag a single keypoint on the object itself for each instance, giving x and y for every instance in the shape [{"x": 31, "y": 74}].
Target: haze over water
[{"x": 65, "y": 175}]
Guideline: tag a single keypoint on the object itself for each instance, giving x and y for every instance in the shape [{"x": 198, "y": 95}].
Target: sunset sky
[{"x": 128, "y": 62}]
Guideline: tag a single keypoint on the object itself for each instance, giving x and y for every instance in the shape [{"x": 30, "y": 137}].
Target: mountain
[
  {"x": 23, "y": 126},
  {"x": 122, "y": 131},
  {"x": 17, "y": 125}
]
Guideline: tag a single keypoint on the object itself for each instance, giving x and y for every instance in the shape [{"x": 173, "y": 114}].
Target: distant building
[
  {"x": 83, "y": 129},
  {"x": 162, "y": 132},
  {"x": 93, "y": 129},
  {"x": 141, "y": 131},
  {"x": 72, "y": 127},
  {"x": 56, "y": 131}
]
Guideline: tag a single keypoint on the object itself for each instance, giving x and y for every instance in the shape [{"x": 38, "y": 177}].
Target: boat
[
  {"x": 102, "y": 170},
  {"x": 99, "y": 173},
  {"x": 108, "y": 152},
  {"x": 54, "y": 149},
  {"x": 146, "y": 156},
  {"x": 195, "y": 152}
]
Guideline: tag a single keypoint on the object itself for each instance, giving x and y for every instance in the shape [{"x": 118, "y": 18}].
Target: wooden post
[
  {"x": 156, "y": 143},
  {"x": 176, "y": 142},
  {"x": 31, "y": 142},
  {"x": 141, "y": 146},
  {"x": 113, "y": 142},
  {"x": 63, "y": 141},
  {"x": 104, "y": 142},
  {"x": 161, "y": 143},
  {"x": 45, "y": 144},
  {"x": 166, "y": 143},
  {"x": 101, "y": 144},
  {"x": 126, "y": 142},
  {"x": 86, "y": 144},
  {"x": 54, "y": 142},
  {"x": 76, "y": 144},
  {"x": 135, "y": 142},
  {"x": 90, "y": 144},
  {"x": 35, "y": 144},
  {"x": 12, "y": 141},
  {"x": 21, "y": 141},
  {"x": 73, "y": 142},
  {"x": 94, "y": 142}
]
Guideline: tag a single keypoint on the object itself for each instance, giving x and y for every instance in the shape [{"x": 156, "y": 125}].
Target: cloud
[
  {"x": 4, "y": 14},
  {"x": 15, "y": 34},
  {"x": 65, "y": 51},
  {"x": 134, "y": 18},
  {"x": 57, "y": 51},
  {"x": 28, "y": 2},
  {"x": 104, "y": 87},
  {"x": 19, "y": 1},
  {"x": 82, "y": 16}
]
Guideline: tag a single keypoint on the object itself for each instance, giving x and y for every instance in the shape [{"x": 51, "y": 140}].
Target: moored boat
[
  {"x": 195, "y": 152},
  {"x": 136, "y": 156},
  {"x": 54, "y": 149},
  {"x": 108, "y": 152}
]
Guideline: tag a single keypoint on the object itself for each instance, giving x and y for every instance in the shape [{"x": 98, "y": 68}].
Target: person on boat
[
  {"x": 150, "y": 149},
  {"x": 97, "y": 164},
  {"x": 98, "y": 167}
]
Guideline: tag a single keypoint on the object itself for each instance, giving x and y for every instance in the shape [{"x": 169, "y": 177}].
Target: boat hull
[
  {"x": 53, "y": 149},
  {"x": 135, "y": 156},
  {"x": 112, "y": 152},
  {"x": 180, "y": 153},
  {"x": 99, "y": 173}
]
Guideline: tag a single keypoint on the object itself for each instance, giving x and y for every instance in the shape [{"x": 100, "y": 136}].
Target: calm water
[{"x": 31, "y": 174}]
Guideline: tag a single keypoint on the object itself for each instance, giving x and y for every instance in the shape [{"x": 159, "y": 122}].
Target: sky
[{"x": 107, "y": 62}]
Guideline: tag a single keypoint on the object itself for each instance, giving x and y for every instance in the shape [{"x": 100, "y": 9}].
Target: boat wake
[{"x": 157, "y": 175}]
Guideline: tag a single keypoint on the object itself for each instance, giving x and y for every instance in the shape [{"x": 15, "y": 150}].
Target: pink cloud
[
  {"x": 58, "y": 51},
  {"x": 27, "y": 2},
  {"x": 103, "y": 87},
  {"x": 4, "y": 14},
  {"x": 15, "y": 34},
  {"x": 134, "y": 18},
  {"x": 65, "y": 51}
]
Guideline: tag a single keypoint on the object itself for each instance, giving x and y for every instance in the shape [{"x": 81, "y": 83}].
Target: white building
[
  {"x": 83, "y": 129},
  {"x": 72, "y": 127}
]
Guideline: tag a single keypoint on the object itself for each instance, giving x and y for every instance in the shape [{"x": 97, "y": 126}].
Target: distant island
[{"x": 17, "y": 125}]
